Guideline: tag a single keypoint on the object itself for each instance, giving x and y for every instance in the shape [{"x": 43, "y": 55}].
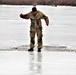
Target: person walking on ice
[{"x": 36, "y": 27}]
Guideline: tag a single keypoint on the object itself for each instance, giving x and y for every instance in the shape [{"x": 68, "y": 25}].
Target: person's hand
[
  {"x": 47, "y": 24},
  {"x": 21, "y": 15}
]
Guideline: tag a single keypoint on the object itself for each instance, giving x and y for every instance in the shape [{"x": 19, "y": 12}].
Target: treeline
[{"x": 39, "y": 2}]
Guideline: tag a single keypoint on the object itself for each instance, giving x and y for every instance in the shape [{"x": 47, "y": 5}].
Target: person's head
[{"x": 34, "y": 10}]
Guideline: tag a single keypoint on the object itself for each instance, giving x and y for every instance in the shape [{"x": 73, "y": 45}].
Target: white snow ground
[{"x": 61, "y": 31}]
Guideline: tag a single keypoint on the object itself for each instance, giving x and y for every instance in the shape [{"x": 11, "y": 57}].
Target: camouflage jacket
[{"x": 36, "y": 19}]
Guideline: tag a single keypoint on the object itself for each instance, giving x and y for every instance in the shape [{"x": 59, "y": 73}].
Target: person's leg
[
  {"x": 39, "y": 35},
  {"x": 32, "y": 40}
]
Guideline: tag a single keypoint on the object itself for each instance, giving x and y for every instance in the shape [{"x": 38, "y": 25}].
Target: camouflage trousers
[{"x": 34, "y": 31}]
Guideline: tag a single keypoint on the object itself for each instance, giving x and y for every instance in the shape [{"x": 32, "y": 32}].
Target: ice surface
[
  {"x": 34, "y": 63},
  {"x": 57, "y": 57}
]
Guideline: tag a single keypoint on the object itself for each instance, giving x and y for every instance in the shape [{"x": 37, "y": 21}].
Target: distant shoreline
[
  {"x": 39, "y": 2},
  {"x": 42, "y": 4}
]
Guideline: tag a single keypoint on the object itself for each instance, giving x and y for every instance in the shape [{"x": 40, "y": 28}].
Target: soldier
[{"x": 36, "y": 27}]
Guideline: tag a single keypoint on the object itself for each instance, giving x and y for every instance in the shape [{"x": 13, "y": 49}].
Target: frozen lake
[
  {"x": 34, "y": 63},
  {"x": 14, "y": 31},
  {"x": 55, "y": 59}
]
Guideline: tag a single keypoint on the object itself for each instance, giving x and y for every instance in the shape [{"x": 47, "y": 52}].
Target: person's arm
[
  {"x": 43, "y": 16},
  {"x": 46, "y": 19},
  {"x": 25, "y": 16}
]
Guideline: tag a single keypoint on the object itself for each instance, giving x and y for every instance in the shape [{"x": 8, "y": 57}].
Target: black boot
[
  {"x": 31, "y": 49},
  {"x": 39, "y": 49}
]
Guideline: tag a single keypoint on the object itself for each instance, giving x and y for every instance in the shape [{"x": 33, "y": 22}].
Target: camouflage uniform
[{"x": 36, "y": 27}]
